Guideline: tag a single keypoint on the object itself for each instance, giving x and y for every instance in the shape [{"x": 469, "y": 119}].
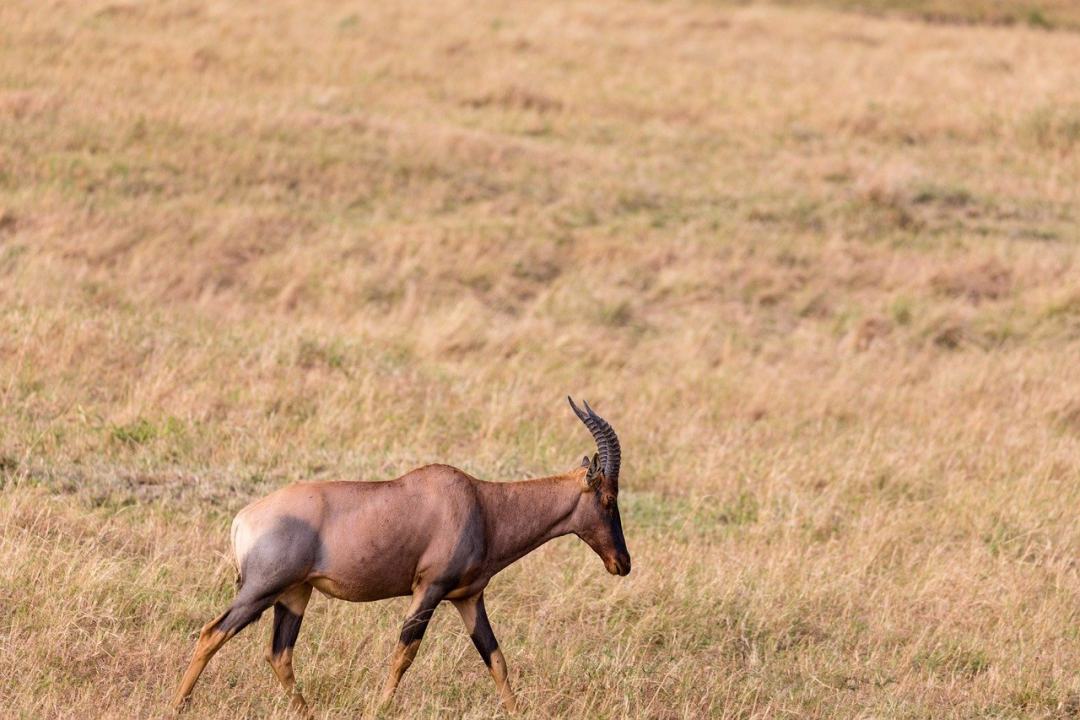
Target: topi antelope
[{"x": 435, "y": 534}]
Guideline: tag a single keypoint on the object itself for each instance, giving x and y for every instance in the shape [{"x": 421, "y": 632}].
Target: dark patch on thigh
[
  {"x": 286, "y": 628},
  {"x": 242, "y": 613},
  {"x": 280, "y": 557}
]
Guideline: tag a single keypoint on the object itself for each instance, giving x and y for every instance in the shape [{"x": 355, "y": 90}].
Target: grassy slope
[{"x": 818, "y": 269}]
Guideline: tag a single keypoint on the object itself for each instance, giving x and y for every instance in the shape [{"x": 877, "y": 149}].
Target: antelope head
[{"x": 597, "y": 514}]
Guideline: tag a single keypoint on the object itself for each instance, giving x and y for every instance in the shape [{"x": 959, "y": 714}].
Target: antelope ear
[{"x": 592, "y": 475}]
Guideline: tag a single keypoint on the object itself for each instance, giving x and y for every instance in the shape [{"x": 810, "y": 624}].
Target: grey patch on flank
[{"x": 278, "y": 559}]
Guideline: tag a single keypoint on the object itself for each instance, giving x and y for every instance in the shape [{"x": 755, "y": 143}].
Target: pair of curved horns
[{"x": 607, "y": 443}]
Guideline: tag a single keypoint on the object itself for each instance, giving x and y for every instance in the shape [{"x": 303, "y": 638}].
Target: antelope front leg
[
  {"x": 425, "y": 600},
  {"x": 476, "y": 622}
]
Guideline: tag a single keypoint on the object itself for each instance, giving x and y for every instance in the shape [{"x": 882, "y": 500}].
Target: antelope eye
[{"x": 607, "y": 501}]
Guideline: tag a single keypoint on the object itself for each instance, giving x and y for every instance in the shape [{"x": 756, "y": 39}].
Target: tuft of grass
[
  {"x": 1036, "y": 18},
  {"x": 743, "y": 510},
  {"x": 138, "y": 432},
  {"x": 952, "y": 661},
  {"x": 1054, "y": 127}
]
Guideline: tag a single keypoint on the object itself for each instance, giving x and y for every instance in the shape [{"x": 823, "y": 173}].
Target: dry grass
[
  {"x": 1042, "y": 14},
  {"x": 819, "y": 269}
]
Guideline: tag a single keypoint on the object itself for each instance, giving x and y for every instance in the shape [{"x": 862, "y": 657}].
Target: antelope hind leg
[
  {"x": 288, "y": 614},
  {"x": 214, "y": 634}
]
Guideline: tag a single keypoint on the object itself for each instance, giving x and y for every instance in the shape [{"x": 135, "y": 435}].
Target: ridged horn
[{"x": 607, "y": 442}]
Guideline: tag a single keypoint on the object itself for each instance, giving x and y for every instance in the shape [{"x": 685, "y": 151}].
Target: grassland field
[{"x": 816, "y": 262}]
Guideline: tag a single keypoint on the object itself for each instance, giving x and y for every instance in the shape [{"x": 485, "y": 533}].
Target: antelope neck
[{"x": 521, "y": 516}]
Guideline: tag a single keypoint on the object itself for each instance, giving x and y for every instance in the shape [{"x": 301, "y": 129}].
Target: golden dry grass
[{"x": 819, "y": 269}]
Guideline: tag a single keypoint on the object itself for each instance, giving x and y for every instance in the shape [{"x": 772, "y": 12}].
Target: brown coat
[{"x": 434, "y": 533}]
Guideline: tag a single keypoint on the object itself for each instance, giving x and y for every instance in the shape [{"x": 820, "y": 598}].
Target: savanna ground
[{"x": 819, "y": 268}]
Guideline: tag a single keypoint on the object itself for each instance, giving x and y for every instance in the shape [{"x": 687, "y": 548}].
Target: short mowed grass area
[{"x": 819, "y": 268}]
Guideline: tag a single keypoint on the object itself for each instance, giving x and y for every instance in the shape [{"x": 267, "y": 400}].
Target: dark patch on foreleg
[
  {"x": 415, "y": 626},
  {"x": 484, "y": 640},
  {"x": 474, "y": 615},
  {"x": 412, "y": 632}
]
